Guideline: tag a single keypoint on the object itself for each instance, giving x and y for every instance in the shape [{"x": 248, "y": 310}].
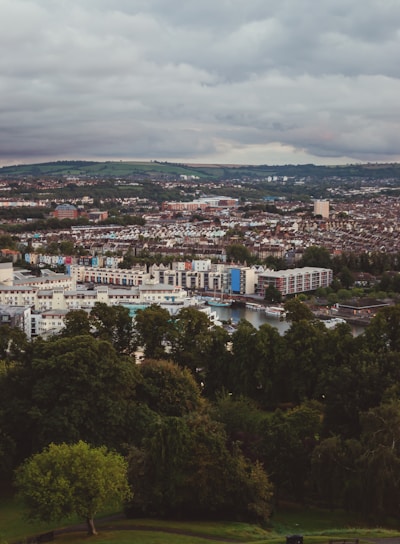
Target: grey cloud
[{"x": 156, "y": 79}]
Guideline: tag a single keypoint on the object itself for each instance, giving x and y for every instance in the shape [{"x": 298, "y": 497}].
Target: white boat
[
  {"x": 275, "y": 311},
  {"x": 331, "y": 323},
  {"x": 254, "y": 306}
]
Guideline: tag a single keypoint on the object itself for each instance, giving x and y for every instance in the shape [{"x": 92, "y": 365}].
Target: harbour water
[{"x": 258, "y": 318}]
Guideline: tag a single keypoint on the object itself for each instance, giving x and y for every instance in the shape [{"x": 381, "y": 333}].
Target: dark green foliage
[
  {"x": 13, "y": 344},
  {"x": 246, "y": 364},
  {"x": 288, "y": 440},
  {"x": 188, "y": 457},
  {"x": 68, "y": 391},
  {"x": 335, "y": 473},
  {"x": 272, "y": 294},
  {"x": 190, "y": 339},
  {"x": 317, "y": 257},
  {"x": 238, "y": 253},
  {"x": 186, "y": 470},
  {"x": 167, "y": 388},
  {"x": 304, "y": 359},
  {"x": 114, "y": 324},
  {"x": 153, "y": 328},
  {"x": 216, "y": 363},
  {"x": 76, "y": 323},
  {"x": 382, "y": 335},
  {"x": 296, "y": 310},
  {"x": 7, "y": 454}
]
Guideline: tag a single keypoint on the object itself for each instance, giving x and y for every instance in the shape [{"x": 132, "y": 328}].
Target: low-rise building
[{"x": 16, "y": 316}]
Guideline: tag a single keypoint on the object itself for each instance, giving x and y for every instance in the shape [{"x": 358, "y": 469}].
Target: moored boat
[
  {"x": 219, "y": 303},
  {"x": 331, "y": 323},
  {"x": 254, "y": 306},
  {"x": 275, "y": 311}
]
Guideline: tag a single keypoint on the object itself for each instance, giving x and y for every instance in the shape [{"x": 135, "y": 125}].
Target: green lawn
[{"x": 316, "y": 525}]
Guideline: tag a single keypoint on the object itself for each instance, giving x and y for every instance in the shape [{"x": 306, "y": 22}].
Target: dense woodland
[{"x": 215, "y": 425}]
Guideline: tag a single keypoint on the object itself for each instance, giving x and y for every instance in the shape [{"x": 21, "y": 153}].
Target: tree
[
  {"x": 114, "y": 324},
  {"x": 383, "y": 332},
  {"x": 185, "y": 468},
  {"x": 335, "y": 472},
  {"x": 288, "y": 442},
  {"x": 70, "y": 479},
  {"x": 13, "y": 344},
  {"x": 272, "y": 294},
  {"x": 190, "y": 338},
  {"x": 6, "y": 241},
  {"x": 297, "y": 311},
  {"x": 346, "y": 277},
  {"x": 76, "y": 323},
  {"x": 246, "y": 373},
  {"x": 217, "y": 361},
  {"x": 304, "y": 359},
  {"x": 238, "y": 253},
  {"x": 7, "y": 452},
  {"x": 167, "y": 388},
  {"x": 153, "y": 328},
  {"x": 68, "y": 391},
  {"x": 316, "y": 256},
  {"x": 380, "y": 461},
  {"x": 270, "y": 347}
]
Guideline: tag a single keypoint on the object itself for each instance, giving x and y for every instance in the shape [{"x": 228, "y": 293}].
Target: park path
[{"x": 106, "y": 524}]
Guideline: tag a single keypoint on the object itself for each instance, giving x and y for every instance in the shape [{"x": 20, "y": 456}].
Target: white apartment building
[
  {"x": 109, "y": 276},
  {"x": 47, "y": 279},
  {"x": 293, "y": 281},
  {"x": 321, "y": 207},
  {"x": 59, "y": 299},
  {"x": 201, "y": 266},
  {"x": 48, "y": 322}
]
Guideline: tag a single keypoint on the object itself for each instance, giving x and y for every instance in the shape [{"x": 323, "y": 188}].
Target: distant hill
[
  {"x": 124, "y": 169},
  {"x": 99, "y": 169}
]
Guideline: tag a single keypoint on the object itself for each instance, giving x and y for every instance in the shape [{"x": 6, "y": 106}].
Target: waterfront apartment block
[{"x": 294, "y": 281}]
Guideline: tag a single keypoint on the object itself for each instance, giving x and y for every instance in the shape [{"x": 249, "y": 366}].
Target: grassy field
[
  {"x": 316, "y": 526},
  {"x": 107, "y": 168}
]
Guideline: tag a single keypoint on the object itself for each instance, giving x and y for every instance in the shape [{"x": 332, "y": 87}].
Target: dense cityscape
[
  {"x": 125, "y": 290},
  {"x": 199, "y": 271}
]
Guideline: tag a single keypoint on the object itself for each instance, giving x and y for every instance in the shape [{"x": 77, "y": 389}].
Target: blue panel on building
[{"x": 235, "y": 280}]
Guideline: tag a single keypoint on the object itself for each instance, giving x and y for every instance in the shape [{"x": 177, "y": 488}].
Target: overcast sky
[{"x": 221, "y": 81}]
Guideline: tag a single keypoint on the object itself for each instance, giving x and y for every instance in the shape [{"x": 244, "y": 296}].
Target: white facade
[
  {"x": 201, "y": 266},
  {"x": 109, "y": 276},
  {"x": 59, "y": 299},
  {"x": 48, "y": 323},
  {"x": 321, "y": 207},
  {"x": 6, "y": 273},
  {"x": 296, "y": 280}
]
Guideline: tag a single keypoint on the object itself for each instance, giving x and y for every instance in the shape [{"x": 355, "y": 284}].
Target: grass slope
[{"x": 316, "y": 526}]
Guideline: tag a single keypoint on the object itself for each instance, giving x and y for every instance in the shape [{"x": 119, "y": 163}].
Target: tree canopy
[
  {"x": 67, "y": 479},
  {"x": 69, "y": 391},
  {"x": 315, "y": 409}
]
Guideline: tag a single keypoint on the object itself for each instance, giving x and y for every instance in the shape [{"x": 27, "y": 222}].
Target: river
[{"x": 257, "y": 318}]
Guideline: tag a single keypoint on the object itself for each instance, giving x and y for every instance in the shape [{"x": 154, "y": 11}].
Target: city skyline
[{"x": 227, "y": 82}]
